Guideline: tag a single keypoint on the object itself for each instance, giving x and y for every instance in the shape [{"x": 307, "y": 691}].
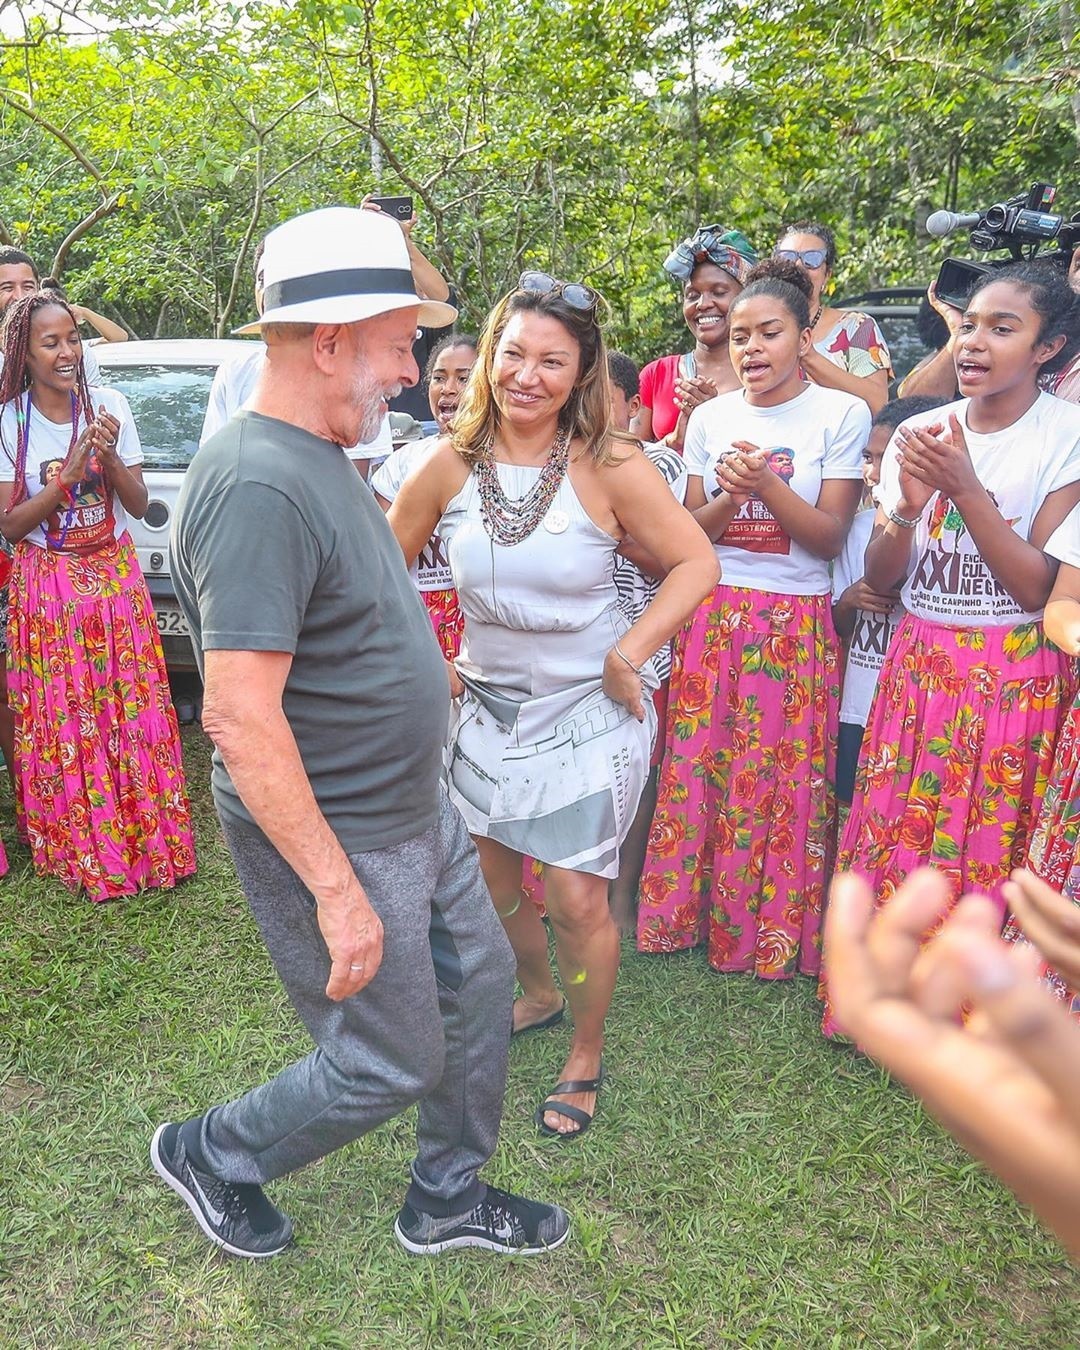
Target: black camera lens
[{"x": 994, "y": 217}]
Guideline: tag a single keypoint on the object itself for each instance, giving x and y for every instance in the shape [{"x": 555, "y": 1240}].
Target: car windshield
[
  {"x": 168, "y": 404},
  {"x": 905, "y": 346}
]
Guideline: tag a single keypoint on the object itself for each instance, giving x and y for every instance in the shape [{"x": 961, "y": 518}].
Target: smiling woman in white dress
[{"x": 534, "y": 494}]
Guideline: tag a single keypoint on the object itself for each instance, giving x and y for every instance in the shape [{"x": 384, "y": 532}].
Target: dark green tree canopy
[{"x": 146, "y": 145}]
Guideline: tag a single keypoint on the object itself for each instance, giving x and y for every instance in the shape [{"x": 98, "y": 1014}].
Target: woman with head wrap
[{"x": 710, "y": 267}]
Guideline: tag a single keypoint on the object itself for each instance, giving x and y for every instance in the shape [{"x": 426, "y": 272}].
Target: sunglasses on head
[
  {"x": 576, "y": 295},
  {"x": 809, "y": 257}
]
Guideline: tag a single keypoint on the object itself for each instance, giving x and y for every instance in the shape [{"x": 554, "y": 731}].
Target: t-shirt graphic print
[
  {"x": 1018, "y": 467},
  {"x": 87, "y": 522},
  {"x": 754, "y": 526}
]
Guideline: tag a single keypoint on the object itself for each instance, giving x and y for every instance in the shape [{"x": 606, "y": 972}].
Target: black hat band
[{"x": 335, "y": 285}]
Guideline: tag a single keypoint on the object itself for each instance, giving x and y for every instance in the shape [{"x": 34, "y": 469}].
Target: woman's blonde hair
[{"x": 586, "y": 414}]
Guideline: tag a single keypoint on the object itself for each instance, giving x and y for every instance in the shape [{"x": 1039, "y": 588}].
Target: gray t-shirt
[{"x": 278, "y": 545}]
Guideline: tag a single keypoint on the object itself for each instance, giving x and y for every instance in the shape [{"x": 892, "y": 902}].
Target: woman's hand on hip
[{"x": 624, "y": 685}]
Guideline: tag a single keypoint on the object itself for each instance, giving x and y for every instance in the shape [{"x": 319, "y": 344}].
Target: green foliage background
[{"x": 583, "y": 136}]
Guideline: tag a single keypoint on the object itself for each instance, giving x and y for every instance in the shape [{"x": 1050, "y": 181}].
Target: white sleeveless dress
[{"x": 539, "y": 758}]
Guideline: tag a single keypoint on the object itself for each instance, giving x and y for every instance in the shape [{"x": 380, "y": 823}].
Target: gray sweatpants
[{"x": 432, "y": 1027}]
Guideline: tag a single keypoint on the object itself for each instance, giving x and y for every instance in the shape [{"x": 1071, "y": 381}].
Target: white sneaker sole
[
  {"x": 182, "y": 1191},
  {"x": 473, "y": 1240}
]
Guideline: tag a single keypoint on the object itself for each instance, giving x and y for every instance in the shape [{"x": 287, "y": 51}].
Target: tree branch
[
  {"x": 43, "y": 122},
  {"x": 1056, "y": 76},
  {"x": 262, "y": 187},
  {"x": 84, "y": 226}
]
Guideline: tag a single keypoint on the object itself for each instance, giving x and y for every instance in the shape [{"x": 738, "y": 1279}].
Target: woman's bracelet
[
  {"x": 623, "y": 657},
  {"x": 902, "y": 521}
]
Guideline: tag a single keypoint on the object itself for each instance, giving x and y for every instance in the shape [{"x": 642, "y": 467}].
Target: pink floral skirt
[
  {"x": 957, "y": 756},
  {"x": 100, "y": 782},
  {"x": 1054, "y": 851},
  {"x": 745, "y": 803},
  {"x": 446, "y": 618}
]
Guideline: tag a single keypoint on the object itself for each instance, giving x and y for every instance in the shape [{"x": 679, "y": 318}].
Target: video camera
[{"x": 1024, "y": 221}]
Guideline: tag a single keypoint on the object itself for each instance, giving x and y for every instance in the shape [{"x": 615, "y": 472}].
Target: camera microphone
[{"x": 942, "y": 223}]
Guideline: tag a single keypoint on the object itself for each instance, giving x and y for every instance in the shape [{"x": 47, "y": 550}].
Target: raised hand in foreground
[{"x": 1005, "y": 1082}]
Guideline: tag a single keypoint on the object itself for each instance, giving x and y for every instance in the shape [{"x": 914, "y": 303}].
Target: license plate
[{"x": 171, "y": 623}]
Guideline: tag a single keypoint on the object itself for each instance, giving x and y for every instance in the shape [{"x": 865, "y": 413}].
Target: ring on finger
[{"x": 359, "y": 967}]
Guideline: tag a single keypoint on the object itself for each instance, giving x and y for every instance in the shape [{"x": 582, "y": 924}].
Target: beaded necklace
[
  {"x": 509, "y": 520},
  {"x": 23, "y": 421}
]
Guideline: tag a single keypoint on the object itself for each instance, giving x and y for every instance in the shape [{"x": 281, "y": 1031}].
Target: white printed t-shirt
[
  {"x": 872, "y": 633},
  {"x": 635, "y": 588},
  {"x": 97, "y": 513},
  {"x": 818, "y": 435},
  {"x": 431, "y": 570},
  {"x": 234, "y": 383},
  {"x": 1064, "y": 543},
  {"x": 1019, "y": 466}
]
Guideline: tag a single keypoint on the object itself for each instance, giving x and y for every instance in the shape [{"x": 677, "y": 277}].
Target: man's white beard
[{"x": 368, "y": 395}]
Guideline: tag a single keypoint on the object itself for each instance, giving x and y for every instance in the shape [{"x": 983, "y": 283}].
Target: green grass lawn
[{"x": 745, "y": 1183}]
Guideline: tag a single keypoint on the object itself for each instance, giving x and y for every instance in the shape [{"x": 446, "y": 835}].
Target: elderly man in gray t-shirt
[{"x": 327, "y": 700}]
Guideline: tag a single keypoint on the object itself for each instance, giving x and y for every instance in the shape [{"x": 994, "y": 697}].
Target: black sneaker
[
  {"x": 236, "y": 1217},
  {"x": 499, "y": 1223}
]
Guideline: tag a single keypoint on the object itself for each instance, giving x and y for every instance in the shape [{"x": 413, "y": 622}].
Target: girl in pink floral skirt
[
  {"x": 737, "y": 850},
  {"x": 100, "y": 784},
  {"x": 962, "y": 731}
]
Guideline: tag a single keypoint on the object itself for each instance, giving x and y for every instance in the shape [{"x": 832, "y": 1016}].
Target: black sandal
[
  {"x": 553, "y": 1021},
  {"x": 583, "y": 1118}
]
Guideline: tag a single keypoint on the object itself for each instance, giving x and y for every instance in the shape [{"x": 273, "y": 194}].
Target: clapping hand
[
  {"x": 73, "y": 470},
  {"x": 744, "y": 472},
  {"x": 936, "y": 461},
  {"x": 689, "y": 393},
  {"x": 107, "y": 437}
]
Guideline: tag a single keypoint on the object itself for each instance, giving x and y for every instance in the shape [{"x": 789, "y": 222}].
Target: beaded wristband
[
  {"x": 903, "y": 521},
  {"x": 623, "y": 656}
]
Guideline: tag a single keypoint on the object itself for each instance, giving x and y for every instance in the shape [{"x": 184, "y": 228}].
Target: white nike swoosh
[{"x": 215, "y": 1214}]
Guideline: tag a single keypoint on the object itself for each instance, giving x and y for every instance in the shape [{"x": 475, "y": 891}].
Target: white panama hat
[{"x": 340, "y": 265}]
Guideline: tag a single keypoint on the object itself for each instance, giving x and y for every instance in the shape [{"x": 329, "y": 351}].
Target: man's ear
[{"x": 326, "y": 346}]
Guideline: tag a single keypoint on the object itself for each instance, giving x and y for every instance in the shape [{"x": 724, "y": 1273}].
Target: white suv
[{"x": 167, "y": 383}]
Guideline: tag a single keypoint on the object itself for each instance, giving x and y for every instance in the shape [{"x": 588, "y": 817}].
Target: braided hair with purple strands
[{"x": 15, "y": 376}]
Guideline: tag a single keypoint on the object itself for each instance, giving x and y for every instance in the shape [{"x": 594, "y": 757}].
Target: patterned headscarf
[{"x": 727, "y": 249}]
